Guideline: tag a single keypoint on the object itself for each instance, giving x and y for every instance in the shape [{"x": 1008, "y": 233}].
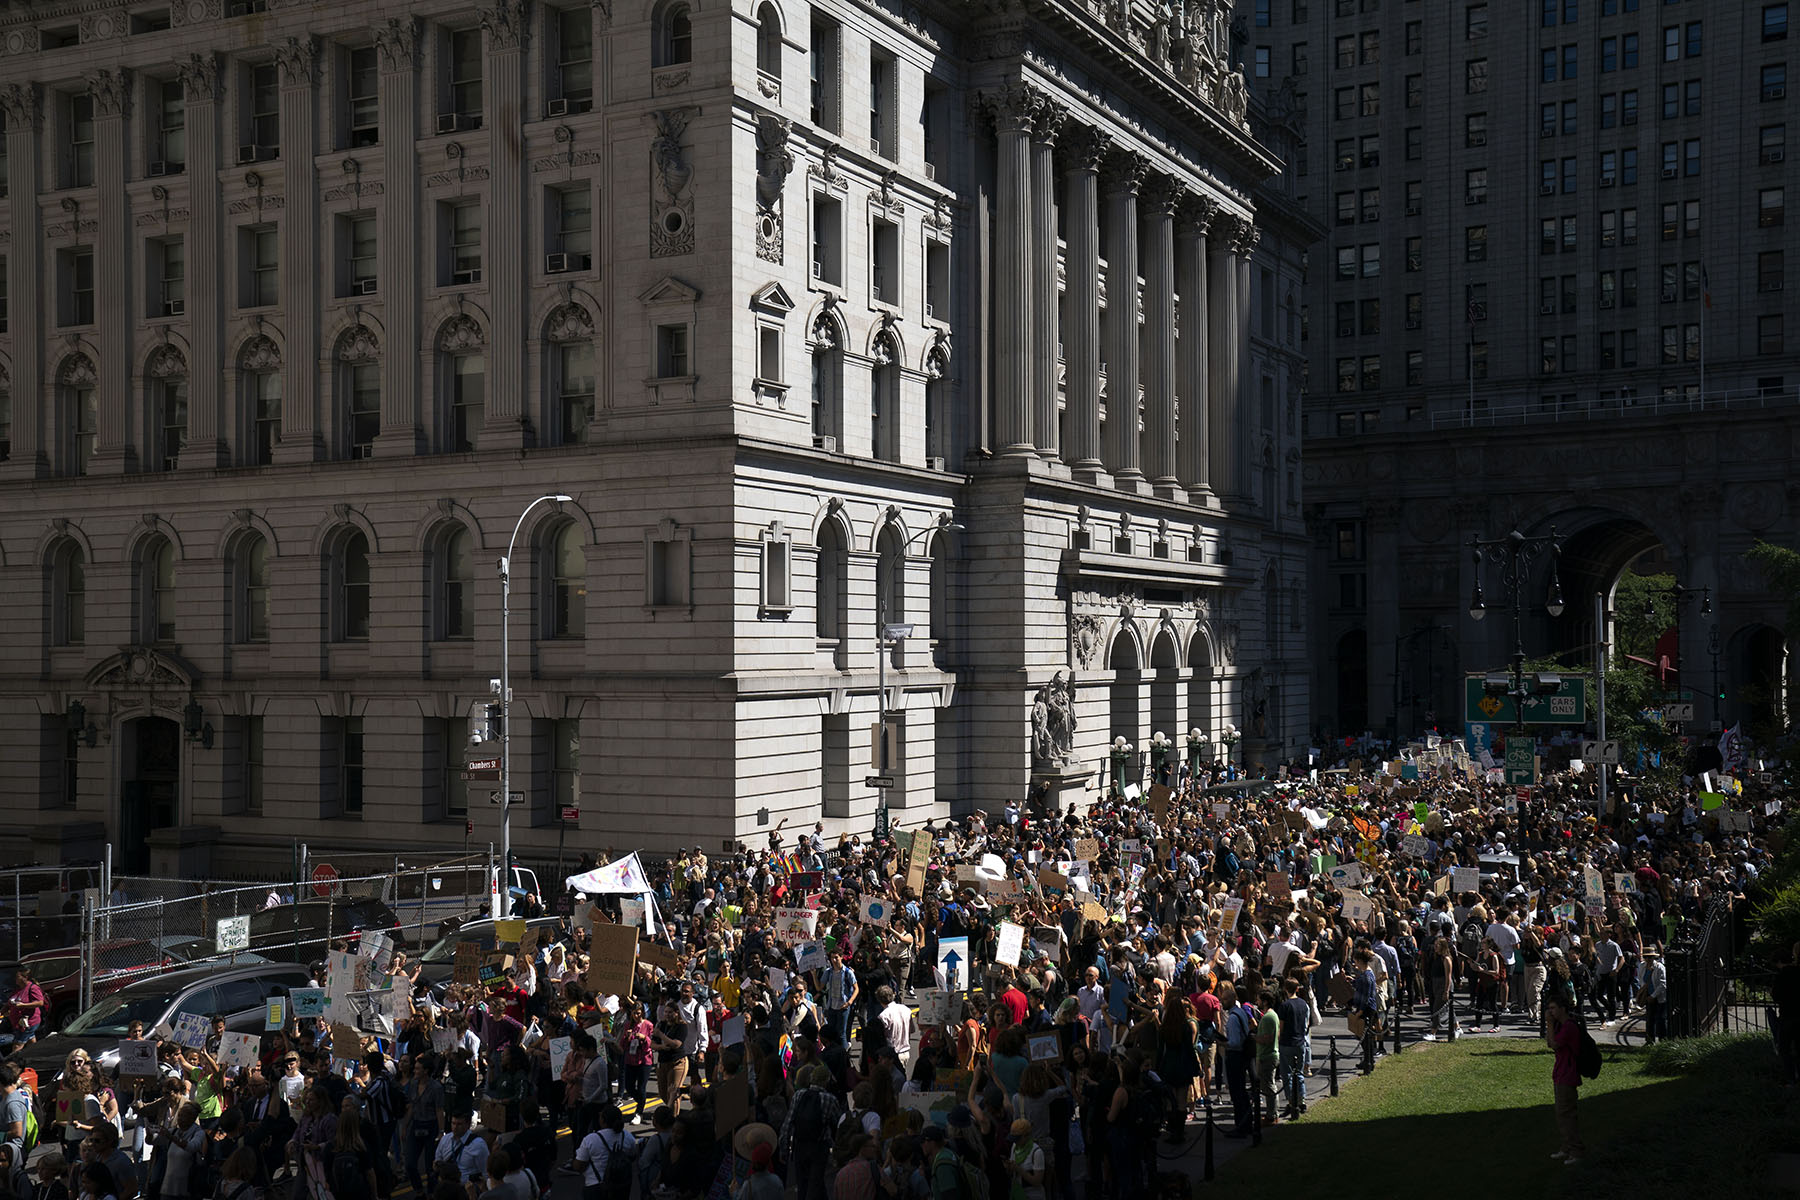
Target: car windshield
[
  {"x": 444, "y": 949},
  {"x": 113, "y": 1016}
]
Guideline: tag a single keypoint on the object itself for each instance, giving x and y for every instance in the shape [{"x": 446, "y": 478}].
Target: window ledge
[
  {"x": 671, "y": 388},
  {"x": 682, "y": 612},
  {"x": 774, "y": 612}
]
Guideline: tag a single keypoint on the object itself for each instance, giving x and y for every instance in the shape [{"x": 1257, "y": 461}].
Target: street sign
[
  {"x": 880, "y": 781},
  {"x": 571, "y": 815},
  {"x": 1521, "y": 761},
  {"x": 324, "y": 879},
  {"x": 481, "y": 776},
  {"x": 1566, "y": 706},
  {"x": 881, "y": 822},
  {"x": 233, "y": 934},
  {"x": 1678, "y": 711},
  {"x": 482, "y": 764},
  {"x": 1606, "y": 752},
  {"x": 515, "y": 797}
]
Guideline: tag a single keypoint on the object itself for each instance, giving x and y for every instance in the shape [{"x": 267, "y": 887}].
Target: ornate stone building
[{"x": 817, "y": 313}]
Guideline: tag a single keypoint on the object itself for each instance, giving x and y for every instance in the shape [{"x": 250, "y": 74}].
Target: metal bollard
[
  {"x": 1256, "y": 1100},
  {"x": 1450, "y": 1009},
  {"x": 1333, "y": 1060},
  {"x": 1209, "y": 1140}
]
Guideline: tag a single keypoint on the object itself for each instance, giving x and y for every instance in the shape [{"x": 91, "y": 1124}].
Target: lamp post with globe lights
[
  {"x": 1160, "y": 749},
  {"x": 1122, "y": 751}
]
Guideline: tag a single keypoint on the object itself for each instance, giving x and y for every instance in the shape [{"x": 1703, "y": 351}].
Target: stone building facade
[{"x": 312, "y": 300}]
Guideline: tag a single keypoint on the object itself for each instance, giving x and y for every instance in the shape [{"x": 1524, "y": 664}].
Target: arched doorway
[
  {"x": 1353, "y": 682},
  {"x": 150, "y": 760},
  {"x": 1165, "y": 686},
  {"x": 1200, "y": 684},
  {"x": 1593, "y": 556},
  {"x": 1125, "y": 714}
]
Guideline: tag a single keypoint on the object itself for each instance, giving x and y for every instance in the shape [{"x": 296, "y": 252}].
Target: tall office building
[
  {"x": 976, "y": 327},
  {"x": 1555, "y": 280}
]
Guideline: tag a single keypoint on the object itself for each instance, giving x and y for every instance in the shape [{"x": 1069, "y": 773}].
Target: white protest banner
[
  {"x": 559, "y": 1054},
  {"x": 810, "y": 956},
  {"x": 239, "y": 1049},
  {"x": 731, "y": 1033},
  {"x": 631, "y": 912},
  {"x": 777, "y": 981},
  {"x": 371, "y": 1012},
  {"x": 1466, "y": 879},
  {"x": 1006, "y": 891},
  {"x": 1418, "y": 847},
  {"x": 1593, "y": 882},
  {"x": 1229, "y": 908},
  {"x": 1738, "y": 822},
  {"x": 1222, "y": 810},
  {"x": 1347, "y": 875},
  {"x": 190, "y": 1031},
  {"x": 1357, "y": 907},
  {"x": 137, "y": 1059},
  {"x": 1010, "y": 943},
  {"x": 377, "y": 947},
  {"x": 873, "y": 910},
  {"x": 443, "y": 1040},
  {"x": 953, "y": 961},
  {"x": 307, "y": 1002},
  {"x": 1132, "y": 846}
]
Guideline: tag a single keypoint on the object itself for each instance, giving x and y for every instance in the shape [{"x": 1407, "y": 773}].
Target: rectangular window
[
  {"x": 1415, "y": 91},
  {"x": 672, "y": 352},
  {"x": 168, "y": 267},
  {"x": 1547, "y": 355},
  {"x": 575, "y": 390},
  {"x": 1774, "y": 22},
  {"x": 80, "y": 116},
  {"x": 1769, "y": 334},
  {"x": 881, "y": 103},
  {"x": 1299, "y": 59},
  {"x": 1344, "y": 103},
  {"x": 1769, "y": 271},
  {"x": 828, "y": 240},
  {"x": 1415, "y": 38},
  {"x": 172, "y": 421},
  {"x": 252, "y": 764},
  {"x": 1690, "y": 157},
  {"x": 1631, "y": 51},
  {"x": 1609, "y": 110},
  {"x": 1547, "y": 65},
  {"x": 1568, "y": 295},
  {"x": 1628, "y": 166},
  {"x": 1475, "y": 130},
  {"x": 1628, "y": 107},
  {"x": 573, "y": 212},
  {"x": 1262, "y": 62},
  {"x": 1547, "y": 120},
  {"x": 468, "y": 401},
  {"x": 1568, "y": 61},
  {"x": 263, "y": 127},
  {"x": 76, "y": 266},
  {"x": 1415, "y": 197},
  {"x": 1475, "y": 243},
  {"x": 937, "y": 281},
  {"x": 1371, "y": 213},
  {"x": 667, "y": 571},
  {"x": 1346, "y": 262},
  {"x": 454, "y": 734},
  {"x": 1774, "y": 81},
  {"x": 1475, "y": 21},
  {"x": 1547, "y": 236},
  {"x": 259, "y": 258},
  {"x": 823, "y": 64},
  {"x": 1371, "y": 316},
  {"x": 777, "y": 571},
  {"x": 1475, "y": 186},
  {"x": 1371, "y": 373},
  {"x": 1415, "y": 143},
  {"x": 1548, "y": 20},
  {"x": 263, "y": 398},
  {"x": 359, "y": 253},
  {"x": 462, "y": 234},
  {"x": 1346, "y": 374},
  {"x": 1346, "y": 318},
  {"x": 1371, "y": 99},
  {"x": 362, "y": 88},
  {"x": 1609, "y": 351},
  {"x": 465, "y": 78},
  {"x": 1346, "y": 208},
  {"x": 1628, "y": 287},
  {"x": 171, "y": 127},
  {"x": 1415, "y": 368},
  {"x": 1693, "y": 39},
  {"x": 1370, "y": 148},
  {"x": 1771, "y": 207},
  {"x": 1371, "y": 260},
  {"x": 1415, "y": 310},
  {"x": 1609, "y": 55},
  {"x": 1609, "y": 229},
  {"x": 1345, "y": 50},
  {"x": 364, "y": 410},
  {"x": 1772, "y": 143},
  {"x": 1628, "y": 350},
  {"x": 884, "y": 262},
  {"x": 1690, "y": 98},
  {"x": 1671, "y": 220},
  {"x": 1475, "y": 76},
  {"x": 1690, "y": 218},
  {"x": 1568, "y": 176},
  {"x": 1609, "y": 168},
  {"x": 1568, "y": 235},
  {"x": 1568, "y": 117},
  {"x": 1671, "y": 101},
  {"x": 575, "y": 57}
]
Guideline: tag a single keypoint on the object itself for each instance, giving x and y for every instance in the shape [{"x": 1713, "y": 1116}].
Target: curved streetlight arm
[{"x": 501, "y": 889}]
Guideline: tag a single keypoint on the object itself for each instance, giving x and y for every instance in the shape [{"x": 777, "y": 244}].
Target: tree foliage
[{"x": 1781, "y": 567}]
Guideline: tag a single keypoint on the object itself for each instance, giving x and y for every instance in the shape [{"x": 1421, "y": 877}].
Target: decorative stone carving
[
  {"x": 461, "y": 334},
  {"x": 23, "y": 104},
  {"x": 1084, "y": 147},
  {"x": 1014, "y": 107},
  {"x": 1124, "y": 171},
  {"x": 299, "y": 61},
  {"x": 194, "y": 12},
  {"x": 1048, "y": 121},
  {"x": 260, "y": 353},
  {"x": 77, "y": 370},
  {"x": 101, "y": 26},
  {"x": 398, "y": 40},
  {"x": 166, "y": 362},
  {"x": 602, "y": 15},
  {"x": 1053, "y": 722},
  {"x": 937, "y": 359},
  {"x": 882, "y": 351},
  {"x": 345, "y": 190},
  {"x": 201, "y": 80},
  {"x": 141, "y": 670},
  {"x": 570, "y": 323},
  {"x": 825, "y": 329},
  {"x": 22, "y": 40},
  {"x": 669, "y": 81},
  {"x": 826, "y": 168},
  {"x": 774, "y": 162},
  {"x": 111, "y": 91},
  {"x": 506, "y": 25},
  {"x": 359, "y": 345},
  {"x": 672, "y": 197},
  {"x": 1084, "y": 636},
  {"x": 1160, "y": 196},
  {"x": 1227, "y": 632}
]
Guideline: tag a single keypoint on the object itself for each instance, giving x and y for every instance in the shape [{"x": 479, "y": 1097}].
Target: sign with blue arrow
[{"x": 953, "y": 960}]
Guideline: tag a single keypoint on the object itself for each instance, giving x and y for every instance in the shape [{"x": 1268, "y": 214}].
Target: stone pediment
[
  {"x": 669, "y": 290},
  {"x": 141, "y": 669},
  {"x": 773, "y": 297}
]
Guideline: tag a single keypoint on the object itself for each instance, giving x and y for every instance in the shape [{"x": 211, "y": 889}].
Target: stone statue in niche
[{"x": 1053, "y": 722}]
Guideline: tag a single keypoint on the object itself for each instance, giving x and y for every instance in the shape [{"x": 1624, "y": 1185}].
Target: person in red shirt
[
  {"x": 1207, "y": 1012},
  {"x": 1017, "y": 1003},
  {"x": 1564, "y": 1036}
]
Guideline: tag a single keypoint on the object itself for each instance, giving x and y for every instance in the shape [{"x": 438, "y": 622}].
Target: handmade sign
[
  {"x": 494, "y": 969},
  {"x": 70, "y": 1105},
  {"x": 631, "y": 912},
  {"x": 1593, "y": 882},
  {"x": 1011, "y": 941},
  {"x": 1087, "y": 848},
  {"x": 559, "y": 1048},
  {"x": 508, "y": 932},
  {"x": 190, "y": 1031},
  {"x": 377, "y": 948},
  {"x": 612, "y": 960},
  {"x": 1160, "y": 795},
  {"x": 731, "y": 1103},
  {"x": 346, "y": 1042},
  {"x": 239, "y": 1049},
  {"x": 1347, "y": 875},
  {"x": 1467, "y": 879},
  {"x": 939, "y": 1007},
  {"x": 443, "y": 1040},
  {"x": 918, "y": 859},
  {"x": 1357, "y": 907},
  {"x": 1047, "y": 941},
  {"x": 731, "y": 1033},
  {"x": 1441, "y": 886},
  {"x": 1044, "y": 1047},
  {"x": 137, "y": 1059},
  {"x": 1418, "y": 847},
  {"x": 1091, "y": 911},
  {"x": 1052, "y": 881},
  {"x": 1279, "y": 886},
  {"x": 276, "y": 1014},
  {"x": 528, "y": 945},
  {"x": 659, "y": 955},
  {"x": 795, "y": 924},
  {"x": 1222, "y": 810},
  {"x": 372, "y": 1012},
  {"x": 1006, "y": 891},
  {"x": 232, "y": 934},
  {"x": 466, "y": 966},
  {"x": 873, "y": 910},
  {"x": 1229, "y": 908},
  {"x": 810, "y": 956},
  {"x": 307, "y": 1002}
]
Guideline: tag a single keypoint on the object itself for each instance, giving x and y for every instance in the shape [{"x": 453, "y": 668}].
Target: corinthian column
[
  {"x": 23, "y": 104},
  {"x": 1045, "y": 314},
  {"x": 507, "y": 257},
  {"x": 1125, "y": 175},
  {"x": 1083, "y": 147},
  {"x": 1245, "y": 395},
  {"x": 1221, "y": 340},
  {"x": 212, "y": 430},
  {"x": 1014, "y": 111},
  {"x": 1191, "y": 350},
  {"x": 111, "y": 93},
  {"x": 301, "y": 439},
  {"x": 1159, "y": 337},
  {"x": 397, "y": 262}
]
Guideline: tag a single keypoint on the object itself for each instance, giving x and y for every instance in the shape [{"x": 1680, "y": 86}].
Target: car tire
[{"x": 60, "y": 1017}]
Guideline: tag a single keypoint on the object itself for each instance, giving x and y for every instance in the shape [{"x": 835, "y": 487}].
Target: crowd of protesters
[{"x": 1173, "y": 948}]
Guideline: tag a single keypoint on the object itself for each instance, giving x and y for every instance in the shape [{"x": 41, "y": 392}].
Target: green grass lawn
[{"x": 1475, "y": 1118}]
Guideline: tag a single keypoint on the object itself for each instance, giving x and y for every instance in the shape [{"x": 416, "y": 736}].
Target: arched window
[
  {"x": 833, "y": 566},
  {"x": 250, "y": 589},
  {"x": 68, "y": 595},
  {"x": 827, "y": 374},
  {"x": 166, "y": 371},
  {"x": 156, "y": 591},
  {"x": 675, "y": 38},
  {"x": 565, "y": 600},
  {"x": 453, "y": 566},
  {"x": 467, "y": 398},
  {"x": 890, "y": 586},
  {"x": 260, "y": 365},
  {"x": 884, "y": 402},
  {"x": 81, "y": 413},
  {"x": 350, "y": 588},
  {"x": 574, "y": 391},
  {"x": 768, "y": 42}
]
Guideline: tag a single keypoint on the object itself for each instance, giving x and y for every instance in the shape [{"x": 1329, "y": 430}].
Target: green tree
[
  {"x": 1635, "y": 633},
  {"x": 1781, "y": 567}
]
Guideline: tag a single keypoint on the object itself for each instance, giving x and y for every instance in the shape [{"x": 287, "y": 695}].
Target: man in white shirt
[
  {"x": 896, "y": 1024},
  {"x": 1091, "y": 999},
  {"x": 466, "y": 1148},
  {"x": 1505, "y": 935},
  {"x": 694, "y": 1042},
  {"x": 1606, "y": 975}
]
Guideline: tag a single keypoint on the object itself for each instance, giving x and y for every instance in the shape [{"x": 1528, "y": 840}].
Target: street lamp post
[
  {"x": 1121, "y": 751},
  {"x": 1679, "y": 596},
  {"x": 1160, "y": 746},
  {"x": 1718, "y": 707},
  {"x": 1196, "y": 741},
  {"x": 504, "y": 890},
  {"x": 884, "y": 633}
]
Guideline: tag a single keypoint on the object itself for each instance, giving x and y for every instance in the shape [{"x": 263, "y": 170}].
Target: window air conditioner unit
[
  {"x": 158, "y": 168},
  {"x": 1547, "y": 131},
  {"x": 1546, "y": 189},
  {"x": 825, "y": 442},
  {"x": 931, "y": 171},
  {"x": 364, "y": 286},
  {"x": 449, "y": 122},
  {"x": 1412, "y": 210},
  {"x": 249, "y": 154},
  {"x": 1774, "y": 156},
  {"x": 556, "y": 108},
  {"x": 555, "y": 264},
  {"x": 174, "y": 308},
  {"x": 1478, "y": 139},
  {"x": 1769, "y": 287},
  {"x": 931, "y": 311},
  {"x": 1546, "y": 310},
  {"x": 818, "y": 269},
  {"x": 471, "y": 275},
  {"x": 1630, "y": 118},
  {"x": 1475, "y": 198},
  {"x": 934, "y": 464},
  {"x": 1606, "y": 181},
  {"x": 1777, "y": 93},
  {"x": 1669, "y": 172},
  {"x": 1344, "y": 166},
  {"x": 875, "y": 144},
  {"x": 1606, "y": 304}
]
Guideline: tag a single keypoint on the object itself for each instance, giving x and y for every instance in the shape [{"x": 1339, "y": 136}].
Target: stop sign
[{"x": 323, "y": 876}]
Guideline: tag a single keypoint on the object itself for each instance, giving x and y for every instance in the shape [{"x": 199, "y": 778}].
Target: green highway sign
[
  {"x": 1565, "y": 706},
  {"x": 1521, "y": 761}
]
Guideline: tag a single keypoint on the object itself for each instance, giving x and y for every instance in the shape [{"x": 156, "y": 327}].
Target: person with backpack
[
  {"x": 1295, "y": 1015},
  {"x": 807, "y": 1134},
  {"x": 463, "y": 1149},
  {"x": 18, "y": 1119},
  {"x": 1565, "y": 1038},
  {"x": 350, "y": 1163},
  {"x": 605, "y": 1157}
]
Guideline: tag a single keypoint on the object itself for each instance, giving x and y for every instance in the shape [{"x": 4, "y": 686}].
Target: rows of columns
[{"x": 1189, "y": 355}]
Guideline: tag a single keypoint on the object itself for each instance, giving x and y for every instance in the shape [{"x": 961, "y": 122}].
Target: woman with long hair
[
  {"x": 347, "y": 1181},
  {"x": 1179, "y": 1064}
]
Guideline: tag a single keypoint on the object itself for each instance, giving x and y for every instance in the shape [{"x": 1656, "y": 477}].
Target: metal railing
[{"x": 1612, "y": 408}]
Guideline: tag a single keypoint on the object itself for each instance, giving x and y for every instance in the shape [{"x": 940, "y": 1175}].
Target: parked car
[
  {"x": 304, "y": 932},
  {"x": 438, "y": 963},
  {"x": 240, "y": 993},
  {"x": 116, "y": 964}
]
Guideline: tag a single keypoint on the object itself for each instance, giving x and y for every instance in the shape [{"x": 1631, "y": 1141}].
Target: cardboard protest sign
[
  {"x": 1279, "y": 886},
  {"x": 507, "y": 932},
  {"x": 443, "y": 1040},
  {"x": 1053, "y": 881},
  {"x": 1047, "y": 940},
  {"x": 658, "y": 955},
  {"x": 494, "y": 969},
  {"x": 1341, "y": 989},
  {"x": 1222, "y": 810},
  {"x": 528, "y": 944},
  {"x": 373, "y": 1012},
  {"x": 70, "y": 1105},
  {"x": 1418, "y": 847},
  {"x": 612, "y": 960},
  {"x": 1044, "y": 1047},
  {"x": 873, "y": 910},
  {"x": 1466, "y": 879},
  {"x": 466, "y": 966},
  {"x": 1009, "y": 944},
  {"x": 1347, "y": 875},
  {"x": 239, "y": 1049},
  {"x": 918, "y": 859},
  {"x": 631, "y": 912},
  {"x": 137, "y": 1059},
  {"x": 346, "y": 1041},
  {"x": 190, "y": 1030},
  {"x": 1357, "y": 907},
  {"x": 1087, "y": 848},
  {"x": 307, "y": 1002},
  {"x": 1006, "y": 891},
  {"x": 496, "y": 1116},
  {"x": 731, "y": 1103},
  {"x": 559, "y": 1054},
  {"x": 939, "y": 1007},
  {"x": 795, "y": 924},
  {"x": 1593, "y": 882},
  {"x": 1091, "y": 911},
  {"x": 1229, "y": 909},
  {"x": 1160, "y": 795}
]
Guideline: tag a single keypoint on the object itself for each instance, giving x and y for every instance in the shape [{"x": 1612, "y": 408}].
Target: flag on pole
[
  {"x": 623, "y": 877},
  {"x": 1705, "y": 287}
]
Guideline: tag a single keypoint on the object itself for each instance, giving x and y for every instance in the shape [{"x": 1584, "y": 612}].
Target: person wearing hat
[
  {"x": 1653, "y": 990},
  {"x": 1025, "y": 1163},
  {"x": 764, "y": 1183}
]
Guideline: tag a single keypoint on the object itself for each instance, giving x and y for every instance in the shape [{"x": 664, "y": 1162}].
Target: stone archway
[
  {"x": 1165, "y": 686},
  {"x": 1125, "y": 708}
]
